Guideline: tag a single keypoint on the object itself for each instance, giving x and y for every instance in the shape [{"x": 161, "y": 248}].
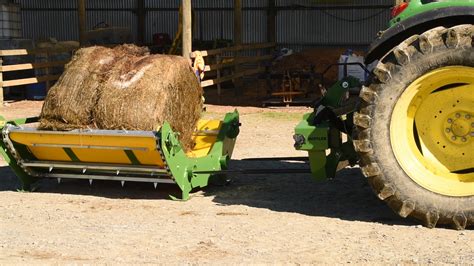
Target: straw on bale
[
  {"x": 69, "y": 102},
  {"x": 140, "y": 93},
  {"x": 124, "y": 88}
]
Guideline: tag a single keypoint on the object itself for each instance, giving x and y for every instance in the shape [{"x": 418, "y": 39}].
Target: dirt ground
[{"x": 255, "y": 219}]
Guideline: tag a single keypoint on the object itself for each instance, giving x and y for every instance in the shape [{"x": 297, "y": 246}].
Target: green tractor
[{"x": 411, "y": 127}]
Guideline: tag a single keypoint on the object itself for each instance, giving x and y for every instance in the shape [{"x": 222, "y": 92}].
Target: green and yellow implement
[{"x": 126, "y": 156}]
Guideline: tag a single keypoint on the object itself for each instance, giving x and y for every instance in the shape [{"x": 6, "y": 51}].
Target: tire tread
[{"x": 458, "y": 37}]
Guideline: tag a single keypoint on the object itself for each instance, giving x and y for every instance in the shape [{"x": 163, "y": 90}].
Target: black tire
[{"x": 416, "y": 56}]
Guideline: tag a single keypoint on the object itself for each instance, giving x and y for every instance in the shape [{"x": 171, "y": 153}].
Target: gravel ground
[{"x": 255, "y": 219}]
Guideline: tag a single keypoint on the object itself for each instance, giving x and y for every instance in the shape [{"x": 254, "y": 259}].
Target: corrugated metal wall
[{"x": 300, "y": 23}]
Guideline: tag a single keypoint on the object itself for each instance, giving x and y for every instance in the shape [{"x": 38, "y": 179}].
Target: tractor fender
[{"x": 447, "y": 17}]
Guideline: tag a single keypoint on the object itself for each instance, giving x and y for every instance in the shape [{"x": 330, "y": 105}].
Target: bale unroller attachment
[{"x": 137, "y": 156}]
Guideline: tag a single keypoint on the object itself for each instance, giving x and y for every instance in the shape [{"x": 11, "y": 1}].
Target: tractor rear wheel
[{"x": 415, "y": 127}]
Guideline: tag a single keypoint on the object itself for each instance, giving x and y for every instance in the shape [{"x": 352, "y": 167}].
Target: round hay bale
[
  {"x": 140, "y": 93},
  {"x": 124, "y": 88},
  {"x": 68, "y": 104}
]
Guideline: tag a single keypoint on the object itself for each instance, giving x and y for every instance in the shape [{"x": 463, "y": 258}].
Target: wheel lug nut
[
  {"x": 448, "y": 130},
  {"x": 453, "y": 137},
  {"x": 450, "y": 120},
  {"x": 463, "y": 139},
  {"x": 458, "y": 115},
  {"x": 472, "y": 125},
  {"x": 468, "y": 116},
  {"x": 472, "y": 134}
]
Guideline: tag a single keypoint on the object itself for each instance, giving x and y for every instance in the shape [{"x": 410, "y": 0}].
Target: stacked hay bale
[{"x": 124, "y": 88}]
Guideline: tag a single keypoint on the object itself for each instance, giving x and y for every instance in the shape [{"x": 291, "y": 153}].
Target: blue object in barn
[{"x": 36, "y": 91}]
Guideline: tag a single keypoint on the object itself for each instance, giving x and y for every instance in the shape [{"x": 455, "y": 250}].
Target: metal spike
[
  {"x": 50, "y": 169},
  {"x": 84, "y": 170},
  {"x": 118, "y": 172},
  {"x": 122, "y": 182},
  {"x": 59, "y": 180},
  {"x": 155, "y": 185},
  {"x": 90, "y": 182}
]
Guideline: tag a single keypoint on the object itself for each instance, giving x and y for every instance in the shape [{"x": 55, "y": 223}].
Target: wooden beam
[
  {"x": 242, "y": 60},
  {"x": 187, "y": 29},
  {"x": 17, "y": 52},
  {"x": 251, "y": 46},
  {"x": 1, "y": 86},
  {"x": 81, "y": 13},
  {"x": 141, "y": 21},
  {"x": 26, "y": 81},
  {"x": 27, "y": 66},
  {"x": 237, "y": 22},
  {"x": 249, "y": 72},
  {"x": 271, "y": 21},
  {"x": 237, "y": 42}
]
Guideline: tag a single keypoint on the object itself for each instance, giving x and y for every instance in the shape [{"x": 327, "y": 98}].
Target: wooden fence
[
  {"x": 224, "y": 64},
  {"x": 46, "y": 66},
  {"x": 218, "y": 60}
]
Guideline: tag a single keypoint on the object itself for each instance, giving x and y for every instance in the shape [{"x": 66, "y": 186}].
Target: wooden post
[
  {"x": 219, "y": 88},
  {"x": 141, "y": 21},
  {"x": 47, "y": 72},
  {"x": 271, "y": 36},
  {"x": 237, "y": 22},
  {"x": 271, "y": 21},
  {"x": 237, "y": 40},
  {"x": 187, "y": 29},
  {"x": 259, "y": 65},
  {"x": 1, "y": 85},
  {"x": 81, "y": 13}
]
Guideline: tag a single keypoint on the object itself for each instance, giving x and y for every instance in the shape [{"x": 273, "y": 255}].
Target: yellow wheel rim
[{"x": 432, "y": 131}]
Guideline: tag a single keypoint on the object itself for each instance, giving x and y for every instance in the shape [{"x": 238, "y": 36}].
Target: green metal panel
[
  {"x": 316, "y": 137},
  {"x": 185, "y": 170},
  {"x": 417, "y": 7},
  {"x": 336, "y": 92},
  {"x": 323, "y": 140},
  {"x": 25, "y": 179}
]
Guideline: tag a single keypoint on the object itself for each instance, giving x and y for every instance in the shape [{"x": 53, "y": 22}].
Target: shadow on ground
[
  {"x": 107, "y": 189},
  {"x": 348, "y": 197}
]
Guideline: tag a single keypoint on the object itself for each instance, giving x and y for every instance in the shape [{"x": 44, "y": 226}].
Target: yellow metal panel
[
  {"x": 96, "y": 148},
  {"x": 149, "y": 158},
  {"x": 101, "y": 156},
  {"x": 204, "y": 142},
  {"x": 92, "y": 148},
  {"x": 49, "y": 154}
]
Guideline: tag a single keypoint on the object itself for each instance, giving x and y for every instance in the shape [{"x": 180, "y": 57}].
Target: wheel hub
[
  {"x": 459, "y": 127},
  {"x": 432, "y": 131}
]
